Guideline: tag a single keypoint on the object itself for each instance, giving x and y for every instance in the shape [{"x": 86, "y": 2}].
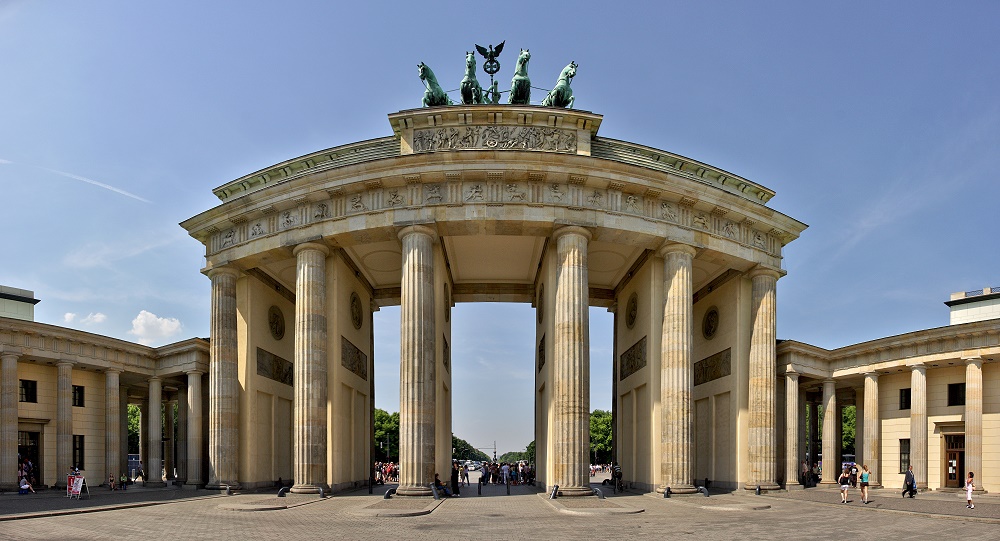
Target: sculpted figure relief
[
  {"x": 229, "y": 238},
  {"x": 632, "y": 203},
  {"x": 514, "y": 193},
  {"x": 562, "y": 95},
  {"x": 395, "y": 198},
  {"x": 475, "y": 193},
  {"x": 667, "y": 211},
  {"x": 356, "y": 203},
  {"x": 556, "y": 192}
]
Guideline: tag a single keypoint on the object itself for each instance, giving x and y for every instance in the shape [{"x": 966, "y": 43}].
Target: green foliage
[
  {"x": 528, "y": 455},
  {"x": 386, "y": 436},
  {"x": 850, "y": 429},
  {"x": 463, "y": 450},
  {"x": 133, "y": 428},
  {"x": 600, "y": 436}
]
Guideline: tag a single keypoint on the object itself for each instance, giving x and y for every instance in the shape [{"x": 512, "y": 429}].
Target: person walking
[
  {"x": 845, "y": 484},
  {"x": 909, "y": 483},
  {"x": 866, "y": 474},
  {"x": 854, "y": 475},
  {"x": 969, "y": 487}
]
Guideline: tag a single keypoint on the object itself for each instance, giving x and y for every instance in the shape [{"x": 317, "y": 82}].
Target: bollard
[
  {"x": 703, "y": 490},
  {"x": 508, "y": 488},
  {"x": 388, "y": 494},
  {"x": 600, "y": 495},
  {"x": 229, "y": 491},
  {"x": 555, "y": 491},
  {"x": 435, "y": 491},
  {"x": 282, "y": 491},
  {"x": 479, "y": 488},
  {"x": 321, "y": 493},
  {"x": 757, "y": 491},
  {"x": 666, "y": 492}
]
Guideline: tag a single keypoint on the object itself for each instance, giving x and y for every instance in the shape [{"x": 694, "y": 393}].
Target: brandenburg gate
[{"x": 493, "y": 203}]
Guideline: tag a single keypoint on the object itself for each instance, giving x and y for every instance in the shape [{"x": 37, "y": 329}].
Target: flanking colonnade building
[{"x": 491, "y": 203}]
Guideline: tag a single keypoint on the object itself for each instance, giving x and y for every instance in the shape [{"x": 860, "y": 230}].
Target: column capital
[
  {"x": 761, "y": 270},
  {"x": 64, "y": 362},
  {"x": 222, "y": 271},
  {"x": 572, "y": 229},
  {"x": 918, "y": 367},
  {"x": 310, "y": 246},
  {"x": 975, "y": 361},
  {"x": 154, "y": 378},
  {"x": 114, "y": 370},
  {"x": 792, "y": 375},
  {"x": 194, "y": 372},
  {"x": 870, "y": 374},
  {"x": 669, "y": 247},
  {"x": 418, "y": 229}
]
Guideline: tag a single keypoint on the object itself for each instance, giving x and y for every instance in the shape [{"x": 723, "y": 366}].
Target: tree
[
  {"x": 600, "y": 436},
  {"x": 465, "y": 451},
  {"x": 386, "y": 436},
  {"x": 134, "y": 418},
  {"x": 850, "y": 429}
]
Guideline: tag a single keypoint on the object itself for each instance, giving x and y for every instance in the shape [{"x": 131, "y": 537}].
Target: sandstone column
[
  {"x": 859, "y": 424},
  {"x": 112, "y": 423},
  {"x": 154, "y": 432},
  {"x": 974, "y": 420},
  {"x": 310, "y": 375},
  {"x": 873, "y": 432},
  {"x": 831, "y": 470},
  {"x": 792, "y": 467},
  {"x": 64, "y": 422},
  {"x": 168, "y": 440},
  {"x": 813, "y": 411},
  {"x": 763, "y": 358},
  {"x": 223, "y": 382},
  {"x": 417, "y": 363},
  {"x": 194, "y": 429},
  {"x": 8, "y": 420},
  {"x": 182, "y": 437},
  {"x": 571, "y": 364},
  {"x": 676, "y": 378},
  {"x": 918, "y": 424}
]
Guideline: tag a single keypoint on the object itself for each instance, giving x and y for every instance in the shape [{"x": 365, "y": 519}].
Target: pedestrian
[
  {"x": 804, "y": 475},
  {"x": 454, "y": 478},
  {"x": 139, "y": 473},
  {"x": 845, "y": 484},
  {"x": 969, "y": 487},
  {"x": 465, "y": 474},
  {"x": 854, "y": 475},
  {"x": 909, "y": 483},
  {"x": 111, "y": 481},
  {"x": 866, "y": 475}
]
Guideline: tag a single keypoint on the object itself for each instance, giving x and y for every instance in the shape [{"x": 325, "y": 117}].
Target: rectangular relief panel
[
  {"x": 353, "y": 358},
  {"x": 273, "y": 367},
  {"x": 632, "y": 360},
  {"x": 713, "y": 367}
]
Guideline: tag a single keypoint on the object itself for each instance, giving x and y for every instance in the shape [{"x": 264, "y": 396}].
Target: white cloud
[
  {"x": 68, "y": 317},
  {"x": 93, "y": 318},
  {"x": 149, "y": 328},
  {"x": 3, "y": 161}
]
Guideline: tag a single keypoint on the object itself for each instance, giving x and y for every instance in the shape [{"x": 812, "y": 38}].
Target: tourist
[
  {"x": 815, "y": 473},
  {"x": 111, "y": 481},
  {"x": 440, "y": 486},
  {"x": 845, "y": 484},
  {"x": 804, "y": 475},
  {"x": 124, "y": 482},
  {"x": 139, "y": 473},
  {"x": 969, "y": 487},
  {"x": 454, "y": 478},
  {"x": 854, "y": 475},
  {"x": 909, "y": 483},
  {"x": 465, "y": 474},
  {"x": 26, "y": 486},
  {"x": 866, "y": 475}
]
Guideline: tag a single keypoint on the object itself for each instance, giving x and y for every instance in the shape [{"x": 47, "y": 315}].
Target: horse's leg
[{"x": 570, "y": 104}]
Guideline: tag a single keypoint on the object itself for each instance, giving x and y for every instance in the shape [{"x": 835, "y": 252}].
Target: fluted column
[
  {"x": 310, "y": 375},
  {"x": 182, "y": 431},
  {"x": 918, "y": 424},
  {"x": 831, "y": 470},
  {"x": 873, "y": 432},
  {"x": 112, "y": 423},
  {"x": 8, "y": 420},
  {"x": 792, "y": 468},
  {"x": 763, "y": 358},
  {"x": 64, "y": 421},
  {"x": 417, "y": 363},
  {"x": 194, "y": 429},
  {"x": 676, "y": 378},
  {"x": 571, "y": 364},
  {"x": 154, "y": 432},
  {"x": 974, "y": 420},
  {"x": 223, "y": 382},
  {"x": 168, "y": 440}
]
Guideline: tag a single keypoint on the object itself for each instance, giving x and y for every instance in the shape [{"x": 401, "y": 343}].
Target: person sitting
[
  {"x": 441, "y": 486},
  {"x": 111, "y": 481},
  {"x": 25, "y": 486}
]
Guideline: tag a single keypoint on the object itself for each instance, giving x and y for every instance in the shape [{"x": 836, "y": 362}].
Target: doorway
[
  {"x": 954, "y": 454},
  {"x": 29, "y": 447}
]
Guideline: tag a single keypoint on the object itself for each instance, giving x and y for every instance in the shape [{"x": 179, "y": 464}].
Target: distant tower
[
  {"x": 978, "y": 305},
  {"x": 17, "y": 303}
]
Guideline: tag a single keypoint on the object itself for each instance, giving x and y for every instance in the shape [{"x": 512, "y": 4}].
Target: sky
[{"x": 877, "y": 124}]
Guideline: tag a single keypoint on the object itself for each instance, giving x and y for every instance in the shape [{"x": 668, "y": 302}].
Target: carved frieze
[
  {"x": 713, "y": 367},
  {"x": 273, "y": 367},
  {"x": 495, "y": 138},
  {"x": 353, "y": 358},
  {"x": 632, "y": 360}
]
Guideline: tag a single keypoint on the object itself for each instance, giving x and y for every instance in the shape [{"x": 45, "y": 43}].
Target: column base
[
  {"x": 574, "y": 492},
  {"x": 219, "y": 485},
  {"x": 192, "y": 485},
  {"x": 309, "y": 489},
  {"x": 764, "y": 487},
  {"x": 154, "y": 484},
  {"x": 678, "y": 489},
  {"x": 419, "y": 491}
]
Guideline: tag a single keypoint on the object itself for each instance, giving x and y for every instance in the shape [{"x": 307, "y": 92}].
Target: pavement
[{"x": 146, "y": 513}]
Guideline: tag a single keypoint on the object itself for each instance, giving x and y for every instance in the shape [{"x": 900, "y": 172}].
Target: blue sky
[{"x": 877, "y": 123}]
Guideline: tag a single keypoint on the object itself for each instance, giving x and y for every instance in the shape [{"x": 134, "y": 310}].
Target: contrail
[{"x": 84, "y": 179}]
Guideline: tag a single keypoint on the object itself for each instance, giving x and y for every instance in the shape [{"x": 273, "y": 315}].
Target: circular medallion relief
[
  {"x": 356, "y": 310},
  {"x": 710, "y": 324},
  {"x": 631, "y": 310},
  {"x": 276, "y": 322},
  {"x": 540, "y": 305}
]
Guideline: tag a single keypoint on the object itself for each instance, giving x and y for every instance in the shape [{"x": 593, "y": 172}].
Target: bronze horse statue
[
  {"x": 562, "y": 94},
  {"x": 434, "y": 95},
  {"x": 472, "y": 93},
  {"x": 520, "y": 85}
]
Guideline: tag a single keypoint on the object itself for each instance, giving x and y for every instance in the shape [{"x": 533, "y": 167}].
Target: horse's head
[
  {"x": 470, "y": 60},
  {"x": 570, "y": 71},
  {"x": 522, "y": 59},
  {"x": 423, "y": 70}
]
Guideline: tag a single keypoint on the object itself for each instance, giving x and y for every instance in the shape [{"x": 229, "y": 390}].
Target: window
[
  {"x": 904, "y": 399},
  {"x": 29, "y": 391},
  {"x": 78, "y": 396},
  {"x": 904, "y": 454},
  {"x": 956, "y": 394},
  {"x": 78, "y": 451}
]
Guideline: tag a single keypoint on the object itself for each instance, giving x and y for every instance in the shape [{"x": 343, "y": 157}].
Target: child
[{"x": 969, "y": 487}]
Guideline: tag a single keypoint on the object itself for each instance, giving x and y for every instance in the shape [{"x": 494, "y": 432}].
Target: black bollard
[
  {"x": 555, "y": 492},
  {"x": 388, "y": 494},
  {"x": 666, "y": 492},
  {"x": 282, "y": 491},
  {"x": 479, "y": 488},
  {"x": 757, "y": 492}
]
